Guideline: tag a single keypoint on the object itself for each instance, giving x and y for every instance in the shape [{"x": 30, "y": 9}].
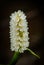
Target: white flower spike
[
  {"x": 19, "y": 35},
  {"x": 19, "y": 32}
]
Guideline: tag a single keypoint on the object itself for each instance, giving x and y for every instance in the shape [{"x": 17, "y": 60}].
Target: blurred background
[{"x": 34, "y": 11}]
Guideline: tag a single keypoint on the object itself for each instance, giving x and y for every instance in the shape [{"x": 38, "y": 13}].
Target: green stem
[
  {"x": 15, "y": 58},
  {"x": 33, "y": 53}
]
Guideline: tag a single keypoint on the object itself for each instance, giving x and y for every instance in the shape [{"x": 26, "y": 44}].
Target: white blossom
[{"x": 19, "y": 32}]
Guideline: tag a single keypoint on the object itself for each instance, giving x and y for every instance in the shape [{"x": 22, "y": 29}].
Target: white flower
[{"x": 19, "y": 32}]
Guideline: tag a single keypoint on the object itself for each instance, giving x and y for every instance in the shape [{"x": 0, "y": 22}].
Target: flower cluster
[{"x": 19, "y": 32}]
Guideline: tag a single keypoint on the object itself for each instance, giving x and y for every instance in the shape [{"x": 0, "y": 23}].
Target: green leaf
[{"x": 33, "y": 53}]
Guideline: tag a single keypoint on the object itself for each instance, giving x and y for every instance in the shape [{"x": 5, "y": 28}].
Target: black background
[{"x": 34, "y": 11}]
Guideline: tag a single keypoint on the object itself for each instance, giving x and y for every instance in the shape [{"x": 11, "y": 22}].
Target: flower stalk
[{"x": 15, "y": 58}]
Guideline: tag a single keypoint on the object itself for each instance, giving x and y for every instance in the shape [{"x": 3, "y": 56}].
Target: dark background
[{"x": 34, "y": 11}]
